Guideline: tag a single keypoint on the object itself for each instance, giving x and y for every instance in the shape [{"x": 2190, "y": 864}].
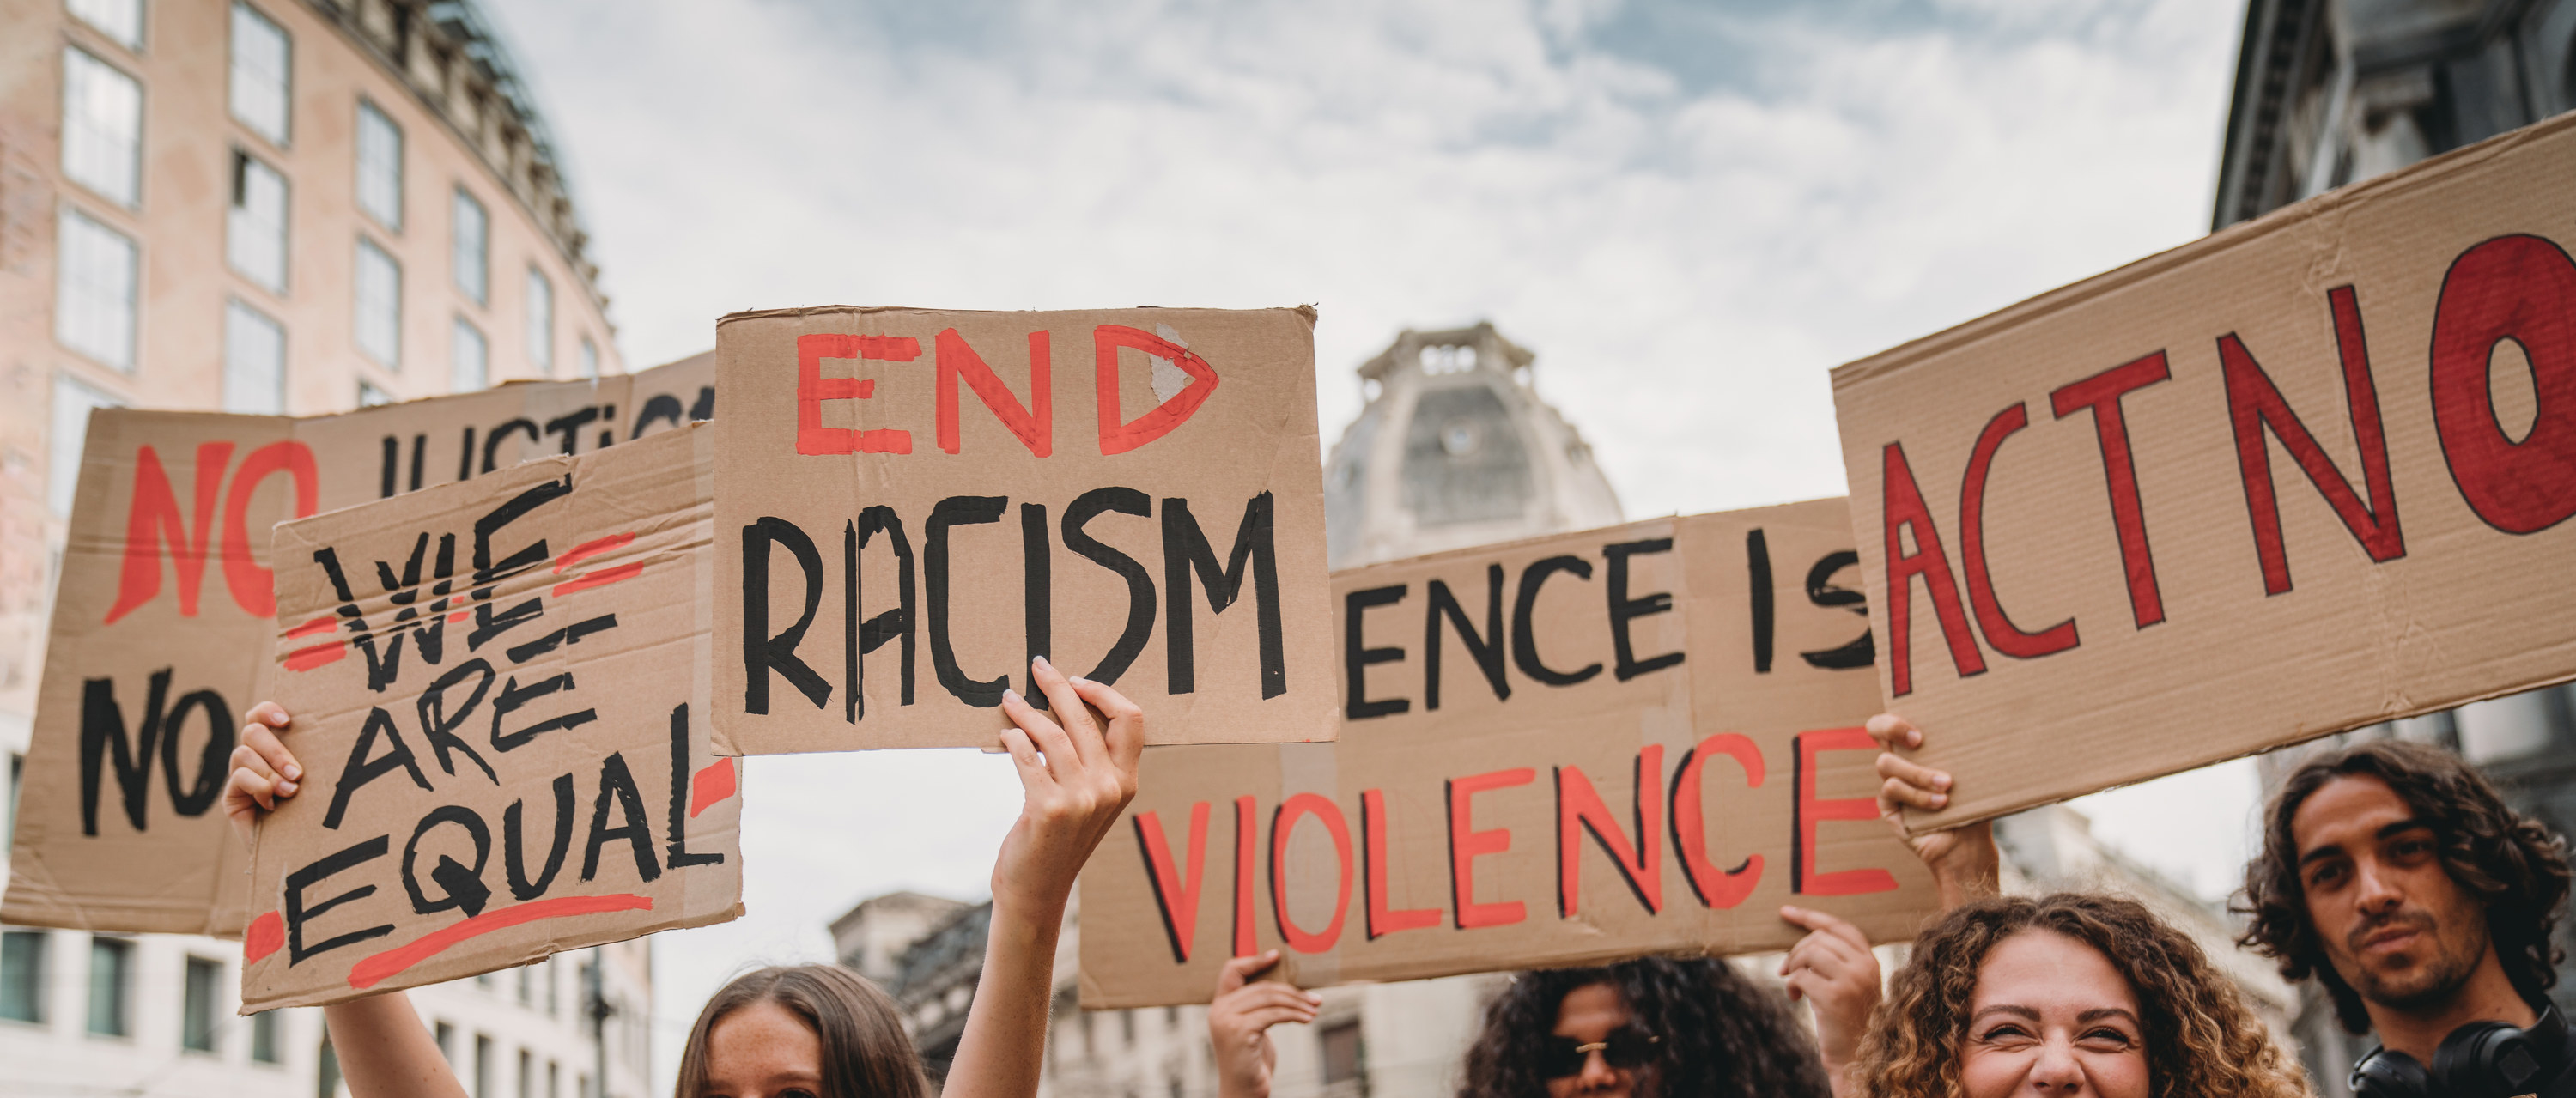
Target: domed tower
[{"x": 1455, "y": 449}]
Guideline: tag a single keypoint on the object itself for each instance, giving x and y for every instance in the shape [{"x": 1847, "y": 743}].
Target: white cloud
[{"x": 1688, "y": 243}]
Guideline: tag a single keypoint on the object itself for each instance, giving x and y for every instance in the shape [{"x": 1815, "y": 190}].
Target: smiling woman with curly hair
[{"x": 2071, "y": 993}]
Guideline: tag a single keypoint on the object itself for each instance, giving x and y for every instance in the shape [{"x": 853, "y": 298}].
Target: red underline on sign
[
  {"x": 601, "y": 578},
  {"x": 392, "y": 962},
  {"x": 306, "y": 659},
  {"x": 589, "y": 549},
  {"x": 314, "y": 627}
]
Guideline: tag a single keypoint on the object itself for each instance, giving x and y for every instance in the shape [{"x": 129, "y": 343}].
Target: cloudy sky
[{"x": 1690, "y": 211}]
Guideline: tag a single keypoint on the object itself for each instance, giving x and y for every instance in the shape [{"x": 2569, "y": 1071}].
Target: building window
[
  {"x": 470, "y": 251},
  {"x": 120, "y": 20},
  {"x": 369, "y": 395},
  {"x": 468, "y": 368},
  {"x": 554, "y": 1079},
  {"x": 327, "y": 1076},
  {"x": 255, "y": 226},
  {"x": 482, "y": 1066},
  {"x": 197, "y": 1011},
  {"x": 94, "y": 290},
  {"x": 22, "y": 976},
  {"x": 379, "y": 304},
  {"x": 254, "y": 362},
  {"x": 1344, "y": 1059},
  {"x": 541, "y": 322},
  {"x": 527, "y": 1074},
  {"x": 69, "y": 434},
  {"x": 380, "y": 166},
  {"x": 554, "y": 990},
  {"x": 527, "y": 985},
  {"x": 111, "y": 968},
  {"x": 446, "y": 1038},
  {"x": 260, "y": 85},
  {"x": 263, "y": 1037},
  {"x": 102, "y": 128},
  {"x": 589, "y": 358}
]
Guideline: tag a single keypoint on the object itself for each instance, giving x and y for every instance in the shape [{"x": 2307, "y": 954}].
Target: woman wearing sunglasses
[{"x": 1655, "y": 1027}]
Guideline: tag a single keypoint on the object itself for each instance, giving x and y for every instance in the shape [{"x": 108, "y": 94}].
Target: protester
[
  {"x": 2393, "y": 873},
  {"x": 817, "y": 1031},
  {"x": 2067, "y": 994},
  {"x": 1654, "y": 1026},
  {"x": 2064, "y": 995}
]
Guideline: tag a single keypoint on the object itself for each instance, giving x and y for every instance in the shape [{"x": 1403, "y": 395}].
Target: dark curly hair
[
  {"x": 1722, "y": 1035},
  {"x": 2202, "y": 1040},
  {"x": 2514, "y": 866}
]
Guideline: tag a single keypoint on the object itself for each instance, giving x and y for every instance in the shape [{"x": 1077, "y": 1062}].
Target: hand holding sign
[
  {"x": 1077, "y": 778},
  {"x": 1964, "y": 862}
]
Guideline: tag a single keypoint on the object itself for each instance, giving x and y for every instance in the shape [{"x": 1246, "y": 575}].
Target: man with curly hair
[{"x": 2394, "y": 874}]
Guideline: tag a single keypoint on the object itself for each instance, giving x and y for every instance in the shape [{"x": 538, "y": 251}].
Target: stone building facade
[{"x": 275, "y": 206}]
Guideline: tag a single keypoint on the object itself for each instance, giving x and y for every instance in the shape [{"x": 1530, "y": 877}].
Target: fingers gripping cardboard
[
  {"x": 912, "y": 503},
  {"x": 2305, "y": 474},
  {"x": 1557, "y": 751},
  {"x": 499, "y": 691},
  {"x": 161, "y": 619}
]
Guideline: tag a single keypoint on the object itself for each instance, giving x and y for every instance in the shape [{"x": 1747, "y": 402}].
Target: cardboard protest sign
[
  {"x": 1559, "y": 751},
  {"x": 162, "y": 616},
  {"x": 912, "y": 503},
  {"x": 2308, "y": 473},
  {"x": 499, "y": 690}
]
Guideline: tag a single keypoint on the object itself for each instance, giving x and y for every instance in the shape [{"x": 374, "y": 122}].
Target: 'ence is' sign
[
  {"x": 162, "y": 614},
  {"x": 2309, "y": 473},
  {"x": 499, "y": 695},
  {"x": 912, "y": 503},
  {"x": 1553, "y": 752}
]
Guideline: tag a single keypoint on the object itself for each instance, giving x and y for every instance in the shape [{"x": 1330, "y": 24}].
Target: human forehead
[
  {"x": 760, "y": 1041},
  {"x": 2346, "y": 811},
  {"x": 1591, "y": 1010},
  {"x": 2050, "y": 973}
]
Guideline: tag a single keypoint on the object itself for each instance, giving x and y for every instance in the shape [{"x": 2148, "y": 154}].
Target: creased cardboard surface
[
  {"x": 135, "y": 841},
  {"x": 1432, "y": 841},
  {"x": 500, "y": 706},
  {"x": 913, "y": 502},
  {"x": 2305, "y": 474}
]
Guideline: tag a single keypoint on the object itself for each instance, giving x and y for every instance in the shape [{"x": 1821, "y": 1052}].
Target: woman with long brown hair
[
  {"x": 818, "y": 1031},
  {"x": 2065, "y": 995}
]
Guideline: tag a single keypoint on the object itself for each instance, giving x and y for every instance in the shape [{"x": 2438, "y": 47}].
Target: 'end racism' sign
[
  {"x": 499, "y": 691},
  {"x": 1559, "y": 751},
  {"x": 2306, "y": 474},
  {"x": 912, "y": 503},
  {"x": 162, "y": 616}
]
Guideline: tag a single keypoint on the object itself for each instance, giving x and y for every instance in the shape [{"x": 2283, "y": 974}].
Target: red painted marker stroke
[
  {"x": 308, "y": 658},
  {"x": 262, "y": 937},
  {"x": 392, "y": 962},
  {"x": 710, "y": 785},
  {"x": 589, "y": 549}
]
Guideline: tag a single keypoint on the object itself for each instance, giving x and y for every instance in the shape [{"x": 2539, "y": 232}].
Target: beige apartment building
[{"x": 267, "y": 206}]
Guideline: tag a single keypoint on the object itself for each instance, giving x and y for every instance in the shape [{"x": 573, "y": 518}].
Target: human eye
[
  {"x": 2004, "y": 1033},
  {"x": 2411, "y": 847},
  {"x": 2107, "y": 1039},
  {"x": 2325, "y": 875}
]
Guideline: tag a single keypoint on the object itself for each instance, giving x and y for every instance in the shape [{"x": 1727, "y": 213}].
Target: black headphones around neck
[{"x": 2478, "y": 1060}]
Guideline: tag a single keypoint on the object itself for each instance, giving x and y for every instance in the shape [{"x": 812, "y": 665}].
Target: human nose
[
  {"x": 2374, "y": 891},
  {"x": 2056, "y": 1071},
  {"x": 1597, "y": 1074}
]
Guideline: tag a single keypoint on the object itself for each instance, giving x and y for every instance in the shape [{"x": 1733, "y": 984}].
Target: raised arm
[
  {"x": 1963, "y": 859},
  {"x": 384, "y": 1051},
  {"x": 1077, "y": 776}
]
